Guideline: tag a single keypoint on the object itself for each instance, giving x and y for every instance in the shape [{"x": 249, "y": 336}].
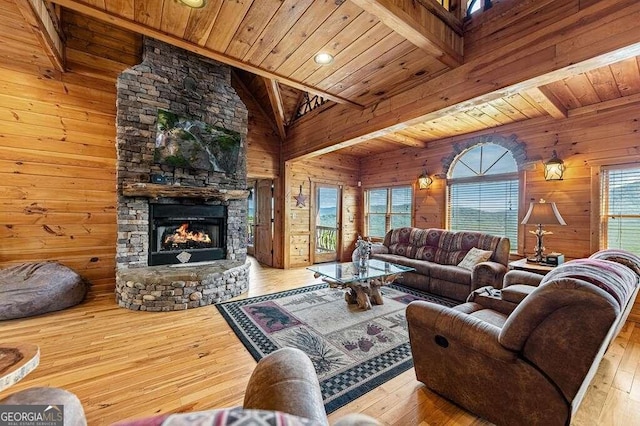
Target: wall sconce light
[
  {"x": 424, "y": 180},
  {"x": 554, "y": 168}
]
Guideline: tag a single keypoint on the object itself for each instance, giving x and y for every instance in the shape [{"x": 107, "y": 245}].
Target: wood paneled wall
[
  {"x": 263, "y": 144},
  {"x": 332, "y": 169},
  {"x": 57, "y": 149}
]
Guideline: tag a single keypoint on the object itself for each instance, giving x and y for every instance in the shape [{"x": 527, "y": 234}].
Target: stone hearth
[
  {"x": 200, "y": 89},
  {"x": 165, "y": 288}
]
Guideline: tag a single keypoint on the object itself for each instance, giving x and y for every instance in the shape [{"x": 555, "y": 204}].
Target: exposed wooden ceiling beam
[
  {"x": 192, "y": 47},
  {"x": 548, "y": 101},
  {"x": 238, "y": 80},
  {"x": 420, "y": 26},
  {"x": 603, "y": 106},
  {"x": 541, "y": 55},
  {"x": 37, "y": 16},
  {"x": 275, "y": 98},
  {"x": 404, "y": 140}
]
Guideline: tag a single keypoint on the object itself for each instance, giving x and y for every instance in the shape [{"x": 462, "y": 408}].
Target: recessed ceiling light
[
  {"x": 323, "y": 58},
  {"x": 196, "y": 4}
]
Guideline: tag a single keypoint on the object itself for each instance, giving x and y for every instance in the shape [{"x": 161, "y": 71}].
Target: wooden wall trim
[{"x": 595, "y": 209}]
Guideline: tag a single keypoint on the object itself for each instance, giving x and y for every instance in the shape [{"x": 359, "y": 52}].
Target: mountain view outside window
[
  {"x": 619, "y": 212},
  {"x": 388, "y": 208},
  {"x": 483, "y": 192}
]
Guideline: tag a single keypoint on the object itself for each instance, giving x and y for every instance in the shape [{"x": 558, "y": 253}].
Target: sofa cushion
[
  {"x": 463, "y": 241},
  {"x": 400, "y": 241},
  {"x": 451, "y": 273},
  {"x": 473, "y": 257},
  {"x": 517, "y": 292},
  {"x": 420, "y": 266},
  {"x": 492, "y": 317},
  {"x": 432, "y": 245}
]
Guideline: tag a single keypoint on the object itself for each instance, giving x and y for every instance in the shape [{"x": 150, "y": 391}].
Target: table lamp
[{"x": 542, "y": 213}]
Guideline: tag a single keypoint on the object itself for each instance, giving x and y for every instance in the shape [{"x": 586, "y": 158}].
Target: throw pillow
[{"x": 473, "y": 257}]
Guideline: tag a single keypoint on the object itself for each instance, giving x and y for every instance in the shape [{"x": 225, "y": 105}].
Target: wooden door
[
  {"x": 263, "y": 244},
  {"x": 326, "y": 236}
]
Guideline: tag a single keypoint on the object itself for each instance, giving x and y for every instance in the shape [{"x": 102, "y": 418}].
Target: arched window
[{"x": 482, "y": 187}]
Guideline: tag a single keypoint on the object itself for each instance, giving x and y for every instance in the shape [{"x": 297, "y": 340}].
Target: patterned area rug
[{"x": 352, "y": 350}]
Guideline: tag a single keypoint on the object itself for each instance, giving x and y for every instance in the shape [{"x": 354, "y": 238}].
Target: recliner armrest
[
  {"x": 522, "y": 277},
  {"x": 285, "y": 380},
  {"x": 487, "y": 274},
  {"x": 455, "y": 324}
]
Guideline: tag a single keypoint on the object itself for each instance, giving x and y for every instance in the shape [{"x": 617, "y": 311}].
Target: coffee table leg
[
  {"x": 350, "y": 296},
  {"x": 357, "y": 295},
  {"x": 376, "y": 296}
]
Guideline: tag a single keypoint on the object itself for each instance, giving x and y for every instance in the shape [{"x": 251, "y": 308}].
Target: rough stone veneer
[
  {"x": 190, "y": 85},
  {"x": 163, "y": 288}
]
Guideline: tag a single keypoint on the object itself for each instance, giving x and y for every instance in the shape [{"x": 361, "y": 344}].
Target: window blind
[
  {"x": 401, "y": 201},
  {"x": 376, "y": 212},
  {"x": 388, "y": 208},
  {"x": 619, "y": 211},
  {"x": 486, "y": 206}
]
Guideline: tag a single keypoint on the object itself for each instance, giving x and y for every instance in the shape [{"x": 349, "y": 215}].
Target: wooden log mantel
[{"x": 154, "y": 190}]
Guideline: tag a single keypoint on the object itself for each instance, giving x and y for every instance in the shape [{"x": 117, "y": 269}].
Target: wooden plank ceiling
[
  {"x": 604, "y": 87},
  {"x": 273, "y": 42},
  {"x": 279, "y": 39}
]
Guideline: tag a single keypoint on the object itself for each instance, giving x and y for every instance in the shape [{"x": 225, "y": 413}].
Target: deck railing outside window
[{"x": 326, "y": 239}]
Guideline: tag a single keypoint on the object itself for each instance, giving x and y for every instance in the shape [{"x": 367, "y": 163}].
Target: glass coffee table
[{"x": 362, "y": 284}]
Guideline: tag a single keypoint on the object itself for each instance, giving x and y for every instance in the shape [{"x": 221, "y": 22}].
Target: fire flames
[{"x": 184, "y": 236}]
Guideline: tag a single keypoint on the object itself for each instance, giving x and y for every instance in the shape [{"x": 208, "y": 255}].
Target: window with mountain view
[
  {"x": 483, "y": 195},
  {"x": 387, "y": 208},
  {"x": 619, "y": 214}
]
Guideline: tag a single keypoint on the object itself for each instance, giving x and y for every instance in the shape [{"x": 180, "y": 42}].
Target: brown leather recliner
[{"x": 533, "y": 366}]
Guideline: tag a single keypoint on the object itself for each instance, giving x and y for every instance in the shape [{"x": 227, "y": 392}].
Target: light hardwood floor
[{"x": 126, "y": 364}]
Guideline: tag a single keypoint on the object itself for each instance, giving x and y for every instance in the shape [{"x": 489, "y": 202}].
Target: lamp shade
[{"x": 543, "y": 213}]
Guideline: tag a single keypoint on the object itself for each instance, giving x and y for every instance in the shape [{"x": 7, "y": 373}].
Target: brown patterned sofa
[
  {"x": 534, "y": 365},
  {"x": 436, "y": 253}
]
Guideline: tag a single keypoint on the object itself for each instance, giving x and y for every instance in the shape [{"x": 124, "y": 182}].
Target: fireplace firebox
[{"x": 186, "y": 234}]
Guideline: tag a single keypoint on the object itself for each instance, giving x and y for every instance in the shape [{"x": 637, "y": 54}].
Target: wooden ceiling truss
[{"x": 37, "y": 14}]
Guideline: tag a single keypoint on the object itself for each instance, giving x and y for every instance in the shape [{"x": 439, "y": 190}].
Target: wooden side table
[
  {"x": 537, "y": 268},
  {"x": 16, "y": 361}
]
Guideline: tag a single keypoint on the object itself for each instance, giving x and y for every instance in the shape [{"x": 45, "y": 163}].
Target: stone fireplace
[{"x": 181, "y": 229}]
